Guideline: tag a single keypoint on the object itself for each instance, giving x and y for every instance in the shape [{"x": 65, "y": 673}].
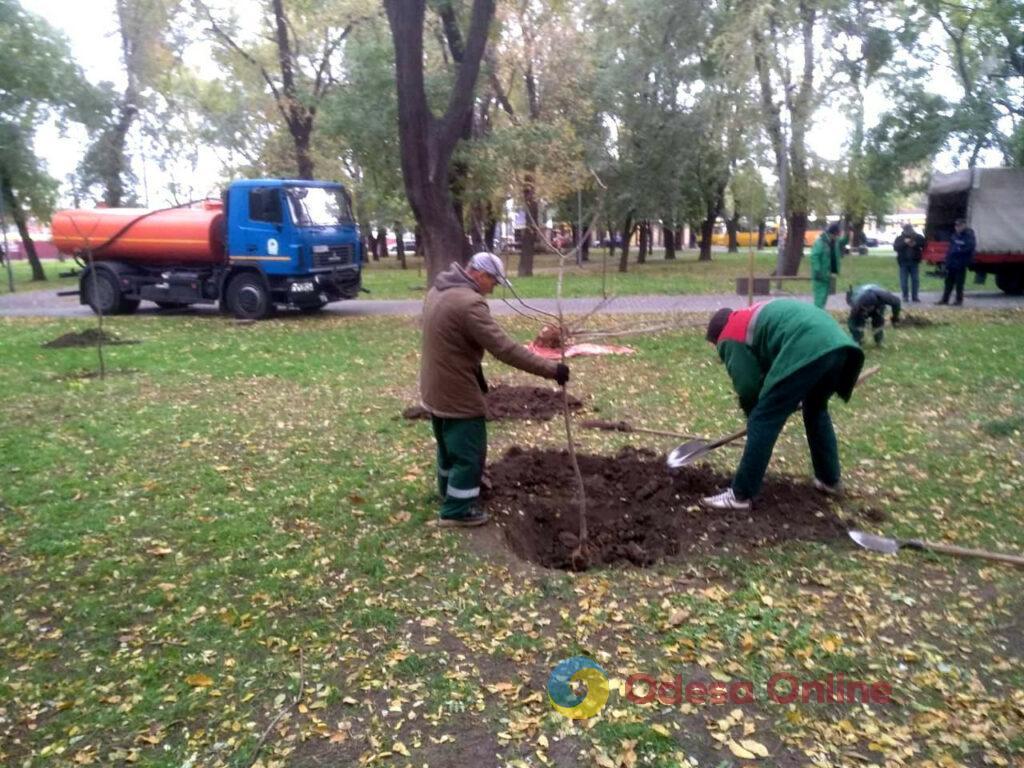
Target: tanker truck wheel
[
  {"x": 104, "y": 295},
  {"x": 248, "y": 297}
]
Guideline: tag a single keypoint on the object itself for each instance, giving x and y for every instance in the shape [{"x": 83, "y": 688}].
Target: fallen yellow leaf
[{"x": 740, "y": 752}]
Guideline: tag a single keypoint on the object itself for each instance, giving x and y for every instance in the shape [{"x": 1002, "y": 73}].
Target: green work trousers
[
  {"x": 821, "y": 288},
  {"x": 812, "y": 386},
  {"x": 461, "y": 454}
]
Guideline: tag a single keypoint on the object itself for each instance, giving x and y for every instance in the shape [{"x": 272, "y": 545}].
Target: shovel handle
[
  {"x": 950, "y": 549},
  {"x": 867, "y": 374},
  {"x": 727, "y": 439}
]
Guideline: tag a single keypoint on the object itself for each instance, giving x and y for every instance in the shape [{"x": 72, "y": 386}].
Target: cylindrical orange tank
[{"x": 175, "y": 236}]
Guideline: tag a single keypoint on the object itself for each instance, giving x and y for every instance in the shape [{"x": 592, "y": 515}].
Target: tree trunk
[
  {"x": 382, "y": 242},
  {"x": 707, "y": 228},
  {"x": 627, "y": 233},
  {"x": 530, "y": 232},
  {"x": 794, "y": 251},
  {"x": 367, "y": 241},
  {"x": 477, "y": 225},
  {"x": 12, "y": 205},
  {"x": 490, "y": 227},
  {"x": 303, "y": 159},
  {"x": 641, "y": 256},
  {"x": 427, "y": 141},
  {"x": 761, "y": 233},
  {"x": 585, "y": 248},
  {"x": 670, "y": 241},
  {"x": 857, "y": 228},
  {"x": 400, "y": 244},
  {"x": 732, "y": 226},
  {"x": 693, "y": 237}
]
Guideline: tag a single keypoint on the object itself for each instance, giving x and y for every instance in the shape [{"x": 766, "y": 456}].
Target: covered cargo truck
[
  {"x": 266, "y": 243},
  {"x": 992, "y": 202}
]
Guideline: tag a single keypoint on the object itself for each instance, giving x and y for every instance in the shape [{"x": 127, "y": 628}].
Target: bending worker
[
  {"x": 457, "y": 328},
  {"x": 825, "y": 259},
  {"x": 783, "y": 355},
  {"x": 870, "y": 301}
]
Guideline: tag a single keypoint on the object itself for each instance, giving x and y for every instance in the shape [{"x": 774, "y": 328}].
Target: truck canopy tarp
[
  {"x": 947, "y": 183},
  {"x": 996, "y": 205}
]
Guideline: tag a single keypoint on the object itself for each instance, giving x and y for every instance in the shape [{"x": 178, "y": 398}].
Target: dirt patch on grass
[
  {"x": 87, "y": 338},
  {"x": 639, "y": 511},
  {"x": 919, "y": 321},
  {"x": 507, "y": 402}
]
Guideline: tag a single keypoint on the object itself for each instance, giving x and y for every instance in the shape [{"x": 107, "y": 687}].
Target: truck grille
[{"x": 336, "y": 256}]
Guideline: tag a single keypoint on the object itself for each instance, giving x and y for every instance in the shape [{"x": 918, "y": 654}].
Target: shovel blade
[
  {"x": 686, "y": 453},
  {"x": 881, "y": 544}
]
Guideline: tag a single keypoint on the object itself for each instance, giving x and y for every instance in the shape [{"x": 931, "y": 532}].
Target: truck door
[{"x": 259, "y": 235}]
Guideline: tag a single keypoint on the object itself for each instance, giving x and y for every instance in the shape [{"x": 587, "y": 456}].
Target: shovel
[
  {"x": 889, "y": 546},
  {"x": 689, "y": 452}
]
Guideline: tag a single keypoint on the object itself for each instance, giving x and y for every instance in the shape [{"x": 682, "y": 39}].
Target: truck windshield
[{"x": 317, "y": 206}]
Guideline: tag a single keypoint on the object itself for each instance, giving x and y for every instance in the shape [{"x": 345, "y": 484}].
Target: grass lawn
[
  {"x": 222, "y": 555},
  {"x": 684, "y": 275},
  {"x": 23, "y": 281}
]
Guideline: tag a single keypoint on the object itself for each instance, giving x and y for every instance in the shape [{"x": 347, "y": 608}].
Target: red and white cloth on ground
[{"x": 577, "y": 350}]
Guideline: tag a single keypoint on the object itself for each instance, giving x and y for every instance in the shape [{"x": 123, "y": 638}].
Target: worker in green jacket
[
  {"x": 826, "y": 254},
  {"x": 783, "y": 355}
]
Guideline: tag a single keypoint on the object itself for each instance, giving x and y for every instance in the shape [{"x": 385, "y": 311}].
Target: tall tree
[
  {"x": 427, "y": 141},
  {"x": 297, "y": 57},
  {"x": 793, "y": 69},
  {"x": 38, "y": 80}
]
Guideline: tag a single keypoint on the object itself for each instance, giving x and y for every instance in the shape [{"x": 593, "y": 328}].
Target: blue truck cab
[{"x": 298, "y": 238}]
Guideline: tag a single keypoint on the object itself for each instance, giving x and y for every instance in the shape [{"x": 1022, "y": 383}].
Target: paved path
[{"x": 46, "y": 303}]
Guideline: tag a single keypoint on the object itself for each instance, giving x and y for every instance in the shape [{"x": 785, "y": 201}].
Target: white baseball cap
[{"x": 491, "y": 265}]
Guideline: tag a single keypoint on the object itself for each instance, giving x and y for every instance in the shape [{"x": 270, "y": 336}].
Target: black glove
[{"x": 562, "y": 374}]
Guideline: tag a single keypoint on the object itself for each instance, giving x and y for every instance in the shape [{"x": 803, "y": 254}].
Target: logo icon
[{"x": 565, "y": 700}]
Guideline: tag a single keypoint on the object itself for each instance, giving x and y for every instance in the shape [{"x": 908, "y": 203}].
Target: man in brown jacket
[{"x": 457, "y": 328}]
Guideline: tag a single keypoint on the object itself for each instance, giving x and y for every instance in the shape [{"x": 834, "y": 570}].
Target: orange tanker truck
[{"x": 265, "y": 243}]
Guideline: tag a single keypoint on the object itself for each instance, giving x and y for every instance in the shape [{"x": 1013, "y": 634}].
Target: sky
[{"x": 91, "y": 27}]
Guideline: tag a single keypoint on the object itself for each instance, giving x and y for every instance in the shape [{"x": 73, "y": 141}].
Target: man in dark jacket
[
  {"x": 783, "y": 355},
  {"x": 909, "y": 248},
  {"x": 457, "y": 328},
  {"x": 958, "y": 258},
  {"x": 870, "y": 301}
]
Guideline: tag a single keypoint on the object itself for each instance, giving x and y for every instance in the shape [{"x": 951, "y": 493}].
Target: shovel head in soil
[
  {"x": 683, "y": 454},
  {"x": 689, "y": 452},
  {"x": 888, "y": 546}
]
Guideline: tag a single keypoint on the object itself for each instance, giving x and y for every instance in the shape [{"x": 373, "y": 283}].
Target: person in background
[
  {"x": 457, "y": 328},
  {"x": 870, "y": 301},
  {"x": 958, "y": 258},
  {"x": 783, "y": 356},
  {"x": 909, "y": 247},
  {"x": 824, "y": 263}
]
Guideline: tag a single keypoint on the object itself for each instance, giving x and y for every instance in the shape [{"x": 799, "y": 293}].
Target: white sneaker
[
  {"x": 828, "y": 490},
  {"x": 725, "y": 500}
]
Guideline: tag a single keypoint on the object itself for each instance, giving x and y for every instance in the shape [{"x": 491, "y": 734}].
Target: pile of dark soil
[
  {"x": 505, "y": 402},
  {"x": 87, "y": 338},
  {"x": 639, "y": 511},
  {"x": 919, "y": 321}
]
